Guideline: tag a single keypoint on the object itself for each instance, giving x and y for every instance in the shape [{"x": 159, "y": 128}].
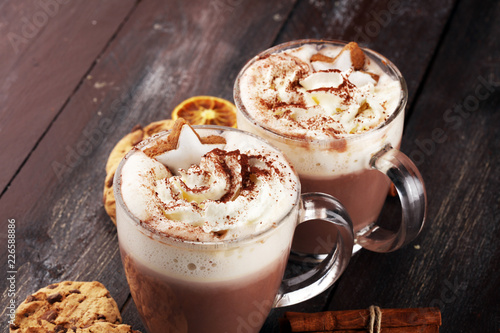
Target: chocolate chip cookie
[
  {"x": 123, "y": 146},
  {"x": 69, "y": 306}
]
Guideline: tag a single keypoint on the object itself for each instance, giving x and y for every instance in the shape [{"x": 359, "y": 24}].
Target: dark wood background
[{"x": 75, "y": 76}]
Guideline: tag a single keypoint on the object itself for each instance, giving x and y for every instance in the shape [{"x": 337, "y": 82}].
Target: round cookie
[
  {"x": 68, "y": 305},
  {"x": 119, "y": 151}
]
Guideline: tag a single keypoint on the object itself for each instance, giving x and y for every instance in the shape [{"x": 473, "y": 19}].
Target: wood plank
[
  {"x": 165, "y": 52},
  {"x": 46, "y": 48},
  {"x": 407, "y": 33},
  {"x": 453, "y": 137}
]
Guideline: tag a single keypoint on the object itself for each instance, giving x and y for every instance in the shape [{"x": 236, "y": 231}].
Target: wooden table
[{"x": 76, "y": 76}]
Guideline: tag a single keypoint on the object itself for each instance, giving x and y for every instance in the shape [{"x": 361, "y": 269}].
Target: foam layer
[
  {"x": 206, "y": 263},
  {"x": 235, "y": 191}
]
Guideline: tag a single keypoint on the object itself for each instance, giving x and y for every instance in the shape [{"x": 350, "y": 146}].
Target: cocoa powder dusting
[
  {"x": 345, "y": 91},
  {"x": 240, "y": 171}
]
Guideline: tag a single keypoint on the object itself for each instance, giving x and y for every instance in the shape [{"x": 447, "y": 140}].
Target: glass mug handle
[
  {"x": 320, "y": 206},
  {"x": 411, "y": 191}
]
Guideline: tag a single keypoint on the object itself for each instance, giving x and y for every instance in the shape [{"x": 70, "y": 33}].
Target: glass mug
[
  {"x": 371, "y": 161},
  {"x": 249, "y": 280}
]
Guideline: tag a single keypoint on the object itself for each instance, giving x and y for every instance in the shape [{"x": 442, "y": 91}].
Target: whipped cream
[
  {"x": 209, "y": 192},
  {"x": 318, "y": 92}
]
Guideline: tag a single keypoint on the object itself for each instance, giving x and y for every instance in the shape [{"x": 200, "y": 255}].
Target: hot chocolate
[
  {"x": 330, "y": 107},
  {"x": 175, "y": 304},
  {"x": 205, "y": 222}
]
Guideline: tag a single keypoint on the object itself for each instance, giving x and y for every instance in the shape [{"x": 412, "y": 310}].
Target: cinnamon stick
[
  {"x": 411, "y": 329},
  {"x": 392, "y": 320}
]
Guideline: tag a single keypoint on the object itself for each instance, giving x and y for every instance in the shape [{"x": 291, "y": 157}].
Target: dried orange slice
[{"x": 206, "y": 110}]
